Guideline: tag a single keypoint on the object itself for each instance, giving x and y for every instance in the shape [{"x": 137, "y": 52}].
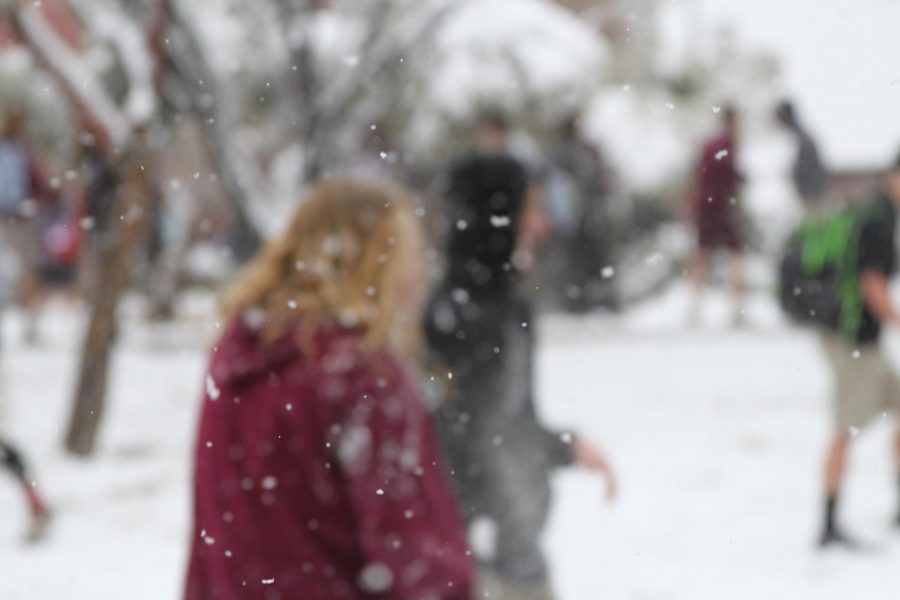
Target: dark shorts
[
  {"x": 717, "y": 232},
  {"x": 58, "y": 275}
]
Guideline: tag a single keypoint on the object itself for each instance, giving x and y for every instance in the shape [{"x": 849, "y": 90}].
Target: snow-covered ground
[{"x": 717, "y": 436}]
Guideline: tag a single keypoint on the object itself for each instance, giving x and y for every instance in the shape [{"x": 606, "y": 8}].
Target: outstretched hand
[{"x": 591, "y": 458}]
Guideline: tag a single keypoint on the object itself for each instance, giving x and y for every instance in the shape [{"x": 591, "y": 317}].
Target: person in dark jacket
[
  {"x": 318, "y": 472},
  {"x": 713, "y": 208},
  {"x": 577, "y": 193},
  {"x": 866, "y": 386},
  {"x": 809, "y": 173},
  {"x": 479, "y": 327}
]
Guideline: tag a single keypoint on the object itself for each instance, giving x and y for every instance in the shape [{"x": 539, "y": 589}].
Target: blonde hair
[{"x": 336, "y": 265}]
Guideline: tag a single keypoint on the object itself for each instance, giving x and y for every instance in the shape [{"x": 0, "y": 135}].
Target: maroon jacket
[
  {"x": 718, "y": 178},
  {"x": 318, "y": 477}
]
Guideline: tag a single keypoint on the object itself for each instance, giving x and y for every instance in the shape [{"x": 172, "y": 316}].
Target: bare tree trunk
[{"x": 112, "y": 280}]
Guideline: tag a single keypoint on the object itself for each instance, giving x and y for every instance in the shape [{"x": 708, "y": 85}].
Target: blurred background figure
[
  {"x": 480, "y": 329},
  {"x": 318, "y": 473},
  {"x": 809, "y": 173},
  {"x": 714, "y": 210},
  {"x": 577, "y": 196},
  {"x": 39, "y": 515},
  {"x": 24, "y": 195},
  {"x": 376, "y": 158},
  {"x": 62, "y": 236}
]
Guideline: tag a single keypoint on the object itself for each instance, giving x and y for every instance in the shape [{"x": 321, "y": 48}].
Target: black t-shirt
[
  {"x": 485, "y": 193},
  {"x": 877, "y": 253}
]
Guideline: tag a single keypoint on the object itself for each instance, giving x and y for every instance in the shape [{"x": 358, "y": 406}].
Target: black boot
[
  {"x": 838, "y": 538},
  {"x": 832, "y": 534}
]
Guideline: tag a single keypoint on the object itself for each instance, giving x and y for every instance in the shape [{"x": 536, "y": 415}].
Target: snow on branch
[
  {"x": 71, "y": 71},
  {"x": 241, "y": 177},
  {"x": 131, "y": 44},
  {"x": 385, "y": 47}
]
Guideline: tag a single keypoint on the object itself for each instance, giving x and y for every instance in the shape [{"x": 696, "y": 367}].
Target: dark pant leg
[
  {"x": 12, "y": 460},
  {"x": 519, "y": 501}
]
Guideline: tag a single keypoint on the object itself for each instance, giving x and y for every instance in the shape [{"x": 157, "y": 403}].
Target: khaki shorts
[{"x": 865, "y": 385}]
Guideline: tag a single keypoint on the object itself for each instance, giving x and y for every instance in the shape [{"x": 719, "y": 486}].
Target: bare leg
[
  {"x": 31, "y": 300},
  {"x": 897, "y": 465},
  {"x": 494, "y": 588},
  {"x": 835, "y": 466},
  {"x": 836, "y": 463},
  {"x": 698, "y": 274},
  {"x": 897, "y": 448},
  {"x": 738, "y": 286},
  {"x": 12, "y": 461}
]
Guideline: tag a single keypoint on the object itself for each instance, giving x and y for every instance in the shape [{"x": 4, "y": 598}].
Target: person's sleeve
[
  {"x": 556, "y": 444},
  {"x": 413, "y": 541},
  {"x": 876, "y": 248}
]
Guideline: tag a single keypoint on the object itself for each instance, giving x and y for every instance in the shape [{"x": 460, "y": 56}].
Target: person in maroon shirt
[
  {"x": 712, "y": 207},
  {"x": 318, "y": 473}
]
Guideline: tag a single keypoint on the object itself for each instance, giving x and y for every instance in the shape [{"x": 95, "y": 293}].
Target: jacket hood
[{"x": 241, "y": 356}]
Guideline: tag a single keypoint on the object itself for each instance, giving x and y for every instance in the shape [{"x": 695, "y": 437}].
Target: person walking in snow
[
  {"x": 577, "y": 192},
  {"x": 17, "y": 182},
  {"x": 809, "y": 174},
  {"x": 712, "y": 206},
  {"x": 480, "y": 330},
  {"x": 318, "y": 473},
  {"x": 23, "y": 192},
  {"x": 866, "y": 386}
]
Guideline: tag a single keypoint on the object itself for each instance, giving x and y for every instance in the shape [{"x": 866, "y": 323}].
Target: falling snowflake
[
  {"x": 211, "y": 389},
  {"x": 499, "y": 221},
  {"x": 376, "y": 578}
]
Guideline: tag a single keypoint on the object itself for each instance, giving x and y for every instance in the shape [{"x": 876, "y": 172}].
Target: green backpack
[{"x": 819, "y": 272}]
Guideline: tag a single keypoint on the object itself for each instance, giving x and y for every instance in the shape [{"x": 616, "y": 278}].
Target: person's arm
[
  {"x": 876, "y": 293},
  {"x": 408, "y": 524},
  {"x": 875, "y": 265},
  {"x": 567, "y": 448},
  {"x": 534, "y": 227},
  {"x": 590, "y": 457}
]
